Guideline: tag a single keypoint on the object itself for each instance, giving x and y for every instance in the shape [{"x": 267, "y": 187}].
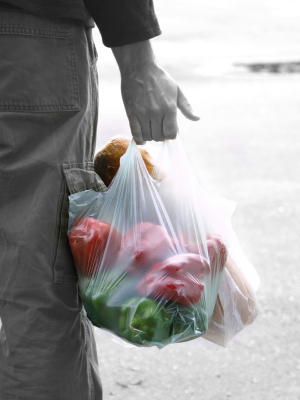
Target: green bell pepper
[
  {"x": 102, "y": 302},
  {"x": 189, "y": 322},
  {"x": 144, "y": 321}
]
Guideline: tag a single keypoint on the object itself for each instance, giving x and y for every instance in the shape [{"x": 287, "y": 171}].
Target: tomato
[{"x": 88, "y": 240}]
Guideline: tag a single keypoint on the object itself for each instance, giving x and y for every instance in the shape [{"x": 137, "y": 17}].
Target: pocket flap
[{"x": 81, "y": 177}]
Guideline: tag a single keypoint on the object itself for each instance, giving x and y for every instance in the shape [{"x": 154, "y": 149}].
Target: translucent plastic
[{"x": 151, "y": 252}]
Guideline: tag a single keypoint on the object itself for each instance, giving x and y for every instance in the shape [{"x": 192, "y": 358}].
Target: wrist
[{"x": 134, "y": 58}]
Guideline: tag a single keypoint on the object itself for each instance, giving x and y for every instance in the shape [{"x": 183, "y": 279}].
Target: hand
[{"x": 151, "y": 97}]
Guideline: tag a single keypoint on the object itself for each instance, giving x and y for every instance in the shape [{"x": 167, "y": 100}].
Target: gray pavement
[{"x": 245, "y": 148}]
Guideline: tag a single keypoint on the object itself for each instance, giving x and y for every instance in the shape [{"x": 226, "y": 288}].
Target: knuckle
[
  {"x": 154, "y": 110},
  {"x": 171, "y": 109},
  {"x": 141, "y": 114},
  {"x": 139, "y": 110}
]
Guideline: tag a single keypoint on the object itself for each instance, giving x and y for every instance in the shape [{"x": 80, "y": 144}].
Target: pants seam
[
  {"x": 30, "y": 30},
  {"x": 89, "y": 355}
]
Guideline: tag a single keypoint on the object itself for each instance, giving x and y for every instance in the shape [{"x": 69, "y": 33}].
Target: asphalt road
[{"x": 245, "y": 148}]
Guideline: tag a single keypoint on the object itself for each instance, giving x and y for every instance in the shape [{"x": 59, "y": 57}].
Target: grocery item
[
  {"x": 107, "y": 160},
  {"x": 88, "y": 240},
  {"x": 236, "y": 305},
  {"x": 217, "y": 252},
  {"x": 144, "y": 319},
  {"x": 144, "y": 245},
  {"x": 178, "y": 278},
  {"x": 151, "y": 253},
  {"x": 244, "y": 296}
]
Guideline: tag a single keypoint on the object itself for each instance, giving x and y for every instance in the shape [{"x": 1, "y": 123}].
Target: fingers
[
  {"x": 164, "y": 127},
  {"x": 136, "y": 130},
  {"x": 146, "y": 129},
  {"x": 158, "y": 129},
  {"x": 151, "y": 100},
  {"x": 141, "y": 130},
  {"x": 159, "y": 123},
  {"x": 185, "y": 107},
  {"x": 170, "y": 127}
]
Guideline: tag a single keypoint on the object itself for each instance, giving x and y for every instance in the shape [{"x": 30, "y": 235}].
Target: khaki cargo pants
[{"x": 48, "y": 118}]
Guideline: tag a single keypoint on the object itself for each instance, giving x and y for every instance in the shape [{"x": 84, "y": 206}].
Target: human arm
[
  {"x": 122, "y": 22},
  {"x": 151, "y": 97}
]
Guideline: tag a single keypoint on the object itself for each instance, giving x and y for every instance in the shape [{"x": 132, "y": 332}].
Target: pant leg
[{"x": 48, "y": 118}]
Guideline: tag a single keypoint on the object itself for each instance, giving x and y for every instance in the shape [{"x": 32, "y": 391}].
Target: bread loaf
[
  {"x": 244, "y": 297},
  {"x": 107, "y": 160},
  {"x": 243, "y": 301}
]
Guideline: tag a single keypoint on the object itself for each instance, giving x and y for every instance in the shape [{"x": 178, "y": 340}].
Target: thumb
[{"x": 185, "y": 107}]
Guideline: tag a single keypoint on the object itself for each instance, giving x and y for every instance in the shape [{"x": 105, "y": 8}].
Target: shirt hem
[{"x": 122, "y": 39}]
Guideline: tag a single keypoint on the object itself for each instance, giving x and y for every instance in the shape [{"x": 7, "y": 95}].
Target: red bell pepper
[
  {"x": 144, "y": 245},
  {"x": 88, "y": 241},
  {"x": 179, "y": 278},
  {"x": 216, "y": 248}
]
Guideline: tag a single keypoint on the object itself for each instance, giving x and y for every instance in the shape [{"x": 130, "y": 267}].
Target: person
[{"x": 48, "y": 125}]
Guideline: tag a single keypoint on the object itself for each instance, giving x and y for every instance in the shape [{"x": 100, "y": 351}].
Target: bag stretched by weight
[{"x": 150, "y": 252}]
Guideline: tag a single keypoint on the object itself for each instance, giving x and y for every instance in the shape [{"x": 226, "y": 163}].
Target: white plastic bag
[
  {"x": 236, "y": 305},
  {"x": 151, "y": 251}
]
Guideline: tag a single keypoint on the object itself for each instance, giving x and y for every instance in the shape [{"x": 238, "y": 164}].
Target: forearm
[{"x": 134, "y": 57}]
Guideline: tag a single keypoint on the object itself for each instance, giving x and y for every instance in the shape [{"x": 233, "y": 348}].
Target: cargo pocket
[
  {"x": 77, "y": 178},
  {"x": 38, "y": 70}
]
